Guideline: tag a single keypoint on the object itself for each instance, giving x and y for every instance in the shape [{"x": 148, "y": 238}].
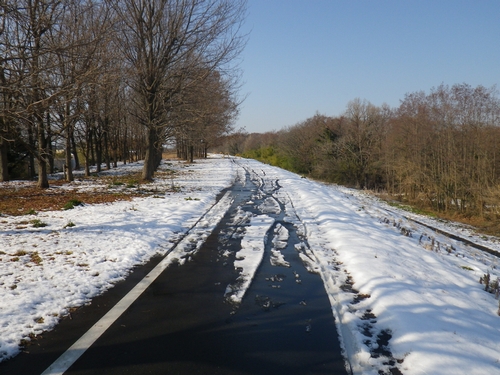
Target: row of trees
[
  {"x": 439, "y": 149},
  {"x": 112, "y": 80}
]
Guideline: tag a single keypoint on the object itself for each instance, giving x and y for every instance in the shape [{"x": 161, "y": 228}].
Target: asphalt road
[{"x": 182, "y": 324}]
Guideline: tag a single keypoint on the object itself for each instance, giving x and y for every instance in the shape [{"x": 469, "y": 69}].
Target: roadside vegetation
[{"x": 437, "y": 153}]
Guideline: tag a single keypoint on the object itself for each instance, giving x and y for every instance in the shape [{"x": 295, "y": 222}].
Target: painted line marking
[
  {"x": 81, "y": 345},
  {"x": 76, "y": 350}
]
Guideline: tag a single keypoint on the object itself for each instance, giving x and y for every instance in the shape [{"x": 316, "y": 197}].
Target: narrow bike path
[{"x": 182, "y": 324}]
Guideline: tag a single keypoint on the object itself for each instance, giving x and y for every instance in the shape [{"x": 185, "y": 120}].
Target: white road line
[
  {"x": 79, "y": 347},
  {"x": 76, "y": 350}
]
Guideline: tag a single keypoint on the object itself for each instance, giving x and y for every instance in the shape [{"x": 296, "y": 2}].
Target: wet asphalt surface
[{"x": 183, "y": 324}]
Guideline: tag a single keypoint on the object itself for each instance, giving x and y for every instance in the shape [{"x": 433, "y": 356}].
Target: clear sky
[{"x": 309, "y": 56}]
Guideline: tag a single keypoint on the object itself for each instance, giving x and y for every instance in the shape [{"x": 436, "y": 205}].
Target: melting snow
[{"x": 396, "y": 287}]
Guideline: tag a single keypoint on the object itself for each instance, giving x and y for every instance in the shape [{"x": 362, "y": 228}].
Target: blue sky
[{"x": 309, "y": 56}]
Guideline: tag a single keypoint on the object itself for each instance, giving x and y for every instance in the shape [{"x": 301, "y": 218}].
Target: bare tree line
[
  {"x": 439, "y": 149},
  {"x": 111, "y": 80}
]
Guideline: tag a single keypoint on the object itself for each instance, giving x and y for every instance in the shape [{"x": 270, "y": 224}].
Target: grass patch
[
  {"x": 20, "y": 253},
  {"x": 69, "y": 225},
  {"x": 72, "y": 204},
  {"x": 132, "y": 183},
  {"x": 37, "y": 223},
  {"x": 414, "y": 210},
  {"x": 35, "y": 258},
  {"x": 467, "y": 268}
]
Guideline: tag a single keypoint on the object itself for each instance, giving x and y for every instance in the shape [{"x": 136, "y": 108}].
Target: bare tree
[
  {"x": 206, "y": 113},
  {"x": 444, "y": 150},
  {"x": 166, "y": 44},
  {"x": 301, "y": 143},
  {"x": 37, "y": 20},
  {"x": 6, "y": 99},
  {"x": 359, "y": 148},
  {"x": 84, "y": 38}
]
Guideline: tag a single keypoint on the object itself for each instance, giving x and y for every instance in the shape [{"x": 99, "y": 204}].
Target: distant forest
[{"x": 439, "y": 150}]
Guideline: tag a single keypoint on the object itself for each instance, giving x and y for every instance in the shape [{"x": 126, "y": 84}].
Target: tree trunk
[
  {"x": 75, "y": 152},
  {"x": 4, "y": 169},
  {"x": 125, "y": 149},
  {"x": 69, "y": 136},
  {"x": 150, "y": 161},
  {"x": 69, "y": 167},
  {"x": 91, "y": 146},
  {"x": 98, "y": 152},
  {"x": 43, "y": 181},
  {"x": 106, "y": 150},
  {"x": 31, "y": 157},
  {"x": 88, "y": 150},
  {"x": 87, "y": 166},
  {"x": 50, "y": 150}
]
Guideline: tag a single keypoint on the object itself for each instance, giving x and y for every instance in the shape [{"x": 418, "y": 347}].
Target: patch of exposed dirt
[{"x": 26, "y": 198}]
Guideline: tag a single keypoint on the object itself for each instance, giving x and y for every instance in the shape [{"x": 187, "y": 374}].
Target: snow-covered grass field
[
  {"x": 403, "y": 296},
  {"x": 47, "y": 271}
]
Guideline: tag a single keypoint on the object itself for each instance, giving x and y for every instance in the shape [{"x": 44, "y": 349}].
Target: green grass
[
  {"x": 69, "y": 225},
  {"x": 72, "y": 204},
  {"x": 38, "y": 223},
  {"x": 414, "y": 210}
]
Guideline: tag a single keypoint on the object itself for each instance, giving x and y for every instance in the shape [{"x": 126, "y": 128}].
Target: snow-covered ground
[
  {"x": 403, "y": 296},
  {"x": 46, "y": 271}
]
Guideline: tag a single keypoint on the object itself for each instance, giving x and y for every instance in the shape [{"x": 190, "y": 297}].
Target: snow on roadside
[
  {"x": 46, "y": 271},
  {"x": 425, "y": 298},
  {"x": 383, "y": 273},
  {"x": 197, "y": 236}
]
